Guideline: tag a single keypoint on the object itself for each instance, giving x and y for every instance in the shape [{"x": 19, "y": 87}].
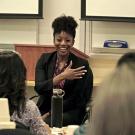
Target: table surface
[{"x": 97, "y": 82}]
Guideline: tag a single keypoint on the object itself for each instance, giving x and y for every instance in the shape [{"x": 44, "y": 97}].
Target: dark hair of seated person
[
  {"x": 12, "y": 80},
  {"x": 12, "y": 86}
]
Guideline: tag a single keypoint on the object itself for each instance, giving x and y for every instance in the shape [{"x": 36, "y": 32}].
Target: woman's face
[{"x": 63, "y": 43}]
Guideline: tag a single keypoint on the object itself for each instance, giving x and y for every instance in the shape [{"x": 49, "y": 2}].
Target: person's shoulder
[
  {"x": 48, "y": 54},
  {"x": 31, "y": 106},
  {"x": 78, "y": 59},
  {"x": 45, "y": 57},
  {"x": 30, "y": 103}
]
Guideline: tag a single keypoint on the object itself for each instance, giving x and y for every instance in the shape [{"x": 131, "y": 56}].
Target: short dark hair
[
  {"x": 12, "y": 80},
  {"x": 64, "y": 23}
]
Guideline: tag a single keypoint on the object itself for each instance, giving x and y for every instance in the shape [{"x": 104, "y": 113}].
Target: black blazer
[{"x": 77, "y": 92}]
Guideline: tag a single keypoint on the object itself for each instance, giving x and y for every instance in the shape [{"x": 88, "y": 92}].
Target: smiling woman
[
  {"x": 61, "y": 69},
  {"x": 63, "y": 43},
  {"x": 16, "y": 9}
]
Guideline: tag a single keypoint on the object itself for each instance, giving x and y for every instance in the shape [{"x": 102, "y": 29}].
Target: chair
[{"x": 14, "y": 132}]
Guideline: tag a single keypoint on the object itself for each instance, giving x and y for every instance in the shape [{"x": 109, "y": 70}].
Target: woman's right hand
[
  {"x": 76, "y": 73},
  {"x": 70, "y": 74}
]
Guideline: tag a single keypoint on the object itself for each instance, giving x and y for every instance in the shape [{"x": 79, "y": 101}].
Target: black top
[{"x": 77, "y": 92}]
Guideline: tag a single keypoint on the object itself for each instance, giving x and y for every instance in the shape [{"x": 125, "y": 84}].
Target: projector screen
[
  {"x": 30, "y": 9},
  {"x": 108, "y": 10}
]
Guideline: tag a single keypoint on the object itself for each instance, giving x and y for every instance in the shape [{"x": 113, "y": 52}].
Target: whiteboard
[
  {"x": 117, "y": 10},
  {"x": 20, "y": 8}
]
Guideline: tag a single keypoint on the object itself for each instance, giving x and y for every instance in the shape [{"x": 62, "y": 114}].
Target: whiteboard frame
[
  {"x": 103, "y": 18},
  {"x": 39, "y": 15}
]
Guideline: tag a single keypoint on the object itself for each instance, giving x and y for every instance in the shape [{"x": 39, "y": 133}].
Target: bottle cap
[{"x": 58, "y": 92}]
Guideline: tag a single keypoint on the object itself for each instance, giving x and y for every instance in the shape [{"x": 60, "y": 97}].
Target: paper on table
[{"x": 4, "y": 115}]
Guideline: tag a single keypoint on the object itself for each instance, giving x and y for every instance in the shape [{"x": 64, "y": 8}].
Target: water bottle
[{"x": 57, "y": 108}]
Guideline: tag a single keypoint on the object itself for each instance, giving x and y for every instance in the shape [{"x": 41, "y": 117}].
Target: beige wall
[
  {"x": 32, "y": 31},
  {"x": 89, "y": 34},
  {"x": 97, "y": 32}
]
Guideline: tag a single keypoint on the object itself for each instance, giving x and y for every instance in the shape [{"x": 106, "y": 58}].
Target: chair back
[{"x": 14, "y": 132}]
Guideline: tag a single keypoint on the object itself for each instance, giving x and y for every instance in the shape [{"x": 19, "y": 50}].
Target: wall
[
  {"x": 18, "y": 31},
  {"x": 95, "y": 33},
  {"x": 89, "y": 34},
  {"x": 38, "y": 31}
]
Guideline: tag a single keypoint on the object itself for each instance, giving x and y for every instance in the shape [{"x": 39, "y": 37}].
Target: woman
[
  {"x": 12, "y": 86},
  {"x": 62, "y": 69},
  {"x": 113, "y": 109}
]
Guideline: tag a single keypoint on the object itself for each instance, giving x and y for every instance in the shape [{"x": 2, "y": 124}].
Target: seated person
[
  {"x": 13, "y": 87},
  {"x": 113, "y": 109},
  {"x": 63, "y": 70}
]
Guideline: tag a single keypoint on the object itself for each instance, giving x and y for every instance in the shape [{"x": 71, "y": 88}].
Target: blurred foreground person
[
  {"x": 13, "y": 87},
  {"x": 113, "y": 111}
]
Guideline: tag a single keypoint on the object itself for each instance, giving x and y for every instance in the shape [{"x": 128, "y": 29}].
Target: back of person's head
[
  {"x": 113, "y": 111},
  {"x": 12, "y": 80},
  {"x": 66, "y": 24},
  {"x": 127, "y": 58}
]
